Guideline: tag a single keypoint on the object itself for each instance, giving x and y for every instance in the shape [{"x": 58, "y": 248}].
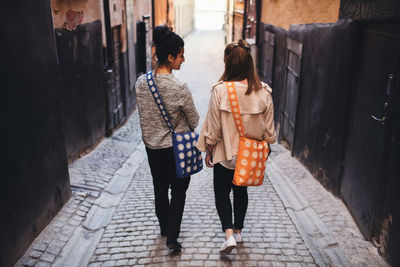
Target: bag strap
[
  {"x": 233, "y": 100},
  {"x": 157, "y": 97}
]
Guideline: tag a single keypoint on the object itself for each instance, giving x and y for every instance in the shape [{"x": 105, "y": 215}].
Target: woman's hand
[{"x": 208, "y": 160}]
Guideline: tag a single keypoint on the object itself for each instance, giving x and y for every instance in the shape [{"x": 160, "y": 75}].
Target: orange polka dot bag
[
  {"x": 252, "y": 154},
  {"x": 188, "y": 159}
]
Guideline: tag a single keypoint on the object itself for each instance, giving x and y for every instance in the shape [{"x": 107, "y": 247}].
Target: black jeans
[
  {"x": 222, "y": 188},
  {"x": 169, "y": 213}
]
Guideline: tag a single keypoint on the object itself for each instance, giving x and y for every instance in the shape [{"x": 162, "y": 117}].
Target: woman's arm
[
  {"x": 270, "y": 134},
  {"x": 214, "y": 129},
  {"x": 188, "y": 108}
]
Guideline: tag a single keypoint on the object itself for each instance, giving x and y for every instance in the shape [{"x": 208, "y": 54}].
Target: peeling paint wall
[
  {"x": 80, "y": 36},
  {"x": 283, "y": 13},
  {"x": 69, "y": 14},
  {"x": 80, "y": 56}
]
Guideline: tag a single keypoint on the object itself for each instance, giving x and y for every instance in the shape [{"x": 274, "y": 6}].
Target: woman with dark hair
[
  {"x": 157, "y": 136},
  {"x": 219, "y": 137}
]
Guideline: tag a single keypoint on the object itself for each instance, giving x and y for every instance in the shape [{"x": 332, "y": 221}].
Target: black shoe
[{"x": 174, "y": 245}]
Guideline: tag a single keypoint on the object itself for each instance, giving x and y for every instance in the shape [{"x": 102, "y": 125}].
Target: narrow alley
[{"x": 110, "y": 220}]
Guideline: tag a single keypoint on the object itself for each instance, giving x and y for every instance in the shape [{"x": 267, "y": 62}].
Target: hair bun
[
  {"x": 161, "y": 33},
  {"x": 244, "y": 44}
]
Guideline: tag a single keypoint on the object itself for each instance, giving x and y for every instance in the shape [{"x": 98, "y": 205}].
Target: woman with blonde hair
[{"x": 219, "y": 137}]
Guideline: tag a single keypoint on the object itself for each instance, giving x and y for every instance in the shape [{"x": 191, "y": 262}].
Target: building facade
[
  {"x": 184, "y": 17},
  {"x": 102, "y": 46},
  {"x": 72, "y": 66},
  {"x": 334, "y": 67}
]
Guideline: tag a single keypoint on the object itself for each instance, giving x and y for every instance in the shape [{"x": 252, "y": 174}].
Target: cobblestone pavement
[
  {"x": 330, "y": 209},
  {"x": 132, "y": 237},
  {"x": 89, "y": 176},
  {"x": 110, "y": 219}
]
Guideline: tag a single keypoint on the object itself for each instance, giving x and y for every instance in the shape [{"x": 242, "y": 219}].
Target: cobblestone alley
[{"x": 110, "y": 220}]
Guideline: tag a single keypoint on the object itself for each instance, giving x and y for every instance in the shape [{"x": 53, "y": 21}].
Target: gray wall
[{"x": 80, "y": 55}]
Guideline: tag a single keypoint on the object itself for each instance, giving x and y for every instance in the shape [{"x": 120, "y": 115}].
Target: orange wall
[
  {"x": 160, "y": 12},
  {"x": 239, "y": 5},
  {"x": 283, "y": 13}
]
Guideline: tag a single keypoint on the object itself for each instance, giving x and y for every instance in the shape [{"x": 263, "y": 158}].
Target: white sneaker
[
  {"x": 238, "y": 237},
  {"x": 228, "y": 245}
]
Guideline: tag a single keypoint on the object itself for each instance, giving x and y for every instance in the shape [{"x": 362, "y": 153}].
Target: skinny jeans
[
  {"x": 169, "y": 211},
  {"x": 223, "y": 185}
]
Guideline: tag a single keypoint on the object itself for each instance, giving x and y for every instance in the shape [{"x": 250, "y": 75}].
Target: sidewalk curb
[
  {"x": 322, "y": 245},
  {"x": 80, "y": 248}
]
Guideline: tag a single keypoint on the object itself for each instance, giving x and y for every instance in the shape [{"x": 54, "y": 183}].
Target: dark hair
[
  {"x": 167, "y": 43},
  {"x": 239, "y": 66}
]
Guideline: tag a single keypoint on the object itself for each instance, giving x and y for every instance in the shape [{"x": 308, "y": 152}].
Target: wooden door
[
  {"x": 268, "y": 54},
  {"x": 292, "y": 85},
  {"x": 365, "y": 154}
]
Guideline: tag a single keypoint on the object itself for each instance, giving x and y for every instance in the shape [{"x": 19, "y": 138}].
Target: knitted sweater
[{"x": 178, "y": 102}]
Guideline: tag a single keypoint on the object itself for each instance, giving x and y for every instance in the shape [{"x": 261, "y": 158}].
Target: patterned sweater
[{"x": 178, "y": 102}]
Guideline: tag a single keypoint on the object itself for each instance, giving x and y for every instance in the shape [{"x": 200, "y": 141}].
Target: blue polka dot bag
[{"x": 188, "y": 159}]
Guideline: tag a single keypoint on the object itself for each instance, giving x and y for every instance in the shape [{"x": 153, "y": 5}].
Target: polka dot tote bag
[
  {"x": 188, "y": 159},
  {"x": 252, "y": 154}
]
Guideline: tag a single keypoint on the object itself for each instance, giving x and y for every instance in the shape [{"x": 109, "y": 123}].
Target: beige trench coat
[{"x": 219, "y": 128}]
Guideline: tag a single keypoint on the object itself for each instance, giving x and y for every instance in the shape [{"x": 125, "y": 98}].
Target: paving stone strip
[
  {"x": 81, "y": 246},
  {"x": 320, "y": 242},
  {"x": 334, "y": 225}
]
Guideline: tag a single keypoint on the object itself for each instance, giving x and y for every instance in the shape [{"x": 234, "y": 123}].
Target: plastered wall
[
  {"x": 283, "y": 13},
  {"x": 69, "y": 14},
  {"x": 142, "y": 8},
  {"x": 184, "y": 16}
]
